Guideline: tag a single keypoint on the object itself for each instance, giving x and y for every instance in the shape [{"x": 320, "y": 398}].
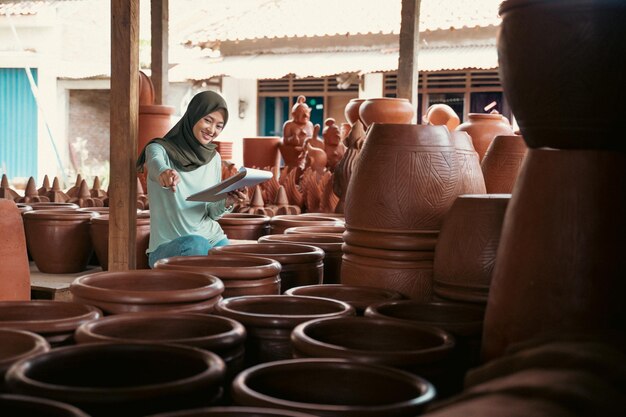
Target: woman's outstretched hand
[
  {"x": 169, "y": 179},
  {"x": 234, "y": 197}
]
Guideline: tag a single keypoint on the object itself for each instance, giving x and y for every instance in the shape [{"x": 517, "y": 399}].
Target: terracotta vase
[
  {"x": 372, "y": 390},
  {"x": 233, "y": 411},
  {"x": 148, "y": 290},
  {"x": 483, "y": 128},
  {"x": 261, "y": 151},
  {"x": 58, "y": 240},
  {"x": 466, "y": 250},
  {"x": 386, "y": 110},
  {"x": 56, "y": 321},
  {"x": 471, "y": 178},
  {"x": 99, "y": 233},
  {"x": 502, "y": 163},
  {"x": 270, "y": 319},
  {"x": 14, "y": 268},
  {"x": 135, "y": 379},
  {"x": 331, "y": 245},
  {"x": 24, "y": 405},
  {"x": 278, "y": 224},
  {"x": 17, "y": 345},
  {"x": 352, "y": 110},
  {"x": 245, "y": 226},
  {"x": 241, "y": 275},
  {"x": 317, "y": 230},
  {"x": 300, "y": 264}
]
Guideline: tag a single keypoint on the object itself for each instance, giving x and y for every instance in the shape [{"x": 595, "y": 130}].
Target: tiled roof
[{"x": 22, "y": 8}]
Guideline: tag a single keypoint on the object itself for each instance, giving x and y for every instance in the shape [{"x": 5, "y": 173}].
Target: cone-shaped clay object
[
  {"x": 282, "y": 203},
  {"x": 31, "y": 195},
  {"x": 96, "y": 191},
  {"x": 72, "y": 192},
  {"x": 45, "y": 187},
  {"x": 5, "y": 190},
  {"x": 56, "y": 195}
]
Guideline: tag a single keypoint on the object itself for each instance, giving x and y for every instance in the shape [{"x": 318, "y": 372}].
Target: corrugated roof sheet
[{"x": 22, "y": 8}]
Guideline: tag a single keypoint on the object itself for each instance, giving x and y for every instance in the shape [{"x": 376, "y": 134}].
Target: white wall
[
  {"x": 240, "y": 125},
  {"x": 373, "y": 86}
]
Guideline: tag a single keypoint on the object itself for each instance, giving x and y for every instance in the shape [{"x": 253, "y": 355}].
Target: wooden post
[
  {"x": 159, "y": 66},
  {"x": 409, "y": 45},
  {"x": 124, "y": 113}
]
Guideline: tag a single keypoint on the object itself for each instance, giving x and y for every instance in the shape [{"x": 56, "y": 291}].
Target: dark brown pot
[
  {"x": 107, "y": 379},
  {"x": 99, "y": 233},
  {"x": 234, "y": 412},
  {"x": 300, "y": 264},
  {"x": 17, "y": 345},
  {"x": 14, "y": 267},
  {"x": 483, "y": 128},
  {"x": 278, "y": 224},
  {"x": 352, "y": 110},
  {"x": 359, "y": 297},
  {"x": 23, "y": 405},
  {"x": 148, "y": 290},
  {"x": 241, "y": 275},
  {"x": 54, "y": 320},
  {"x": 471, "y": 178},
  {"x": 245, "y": 226},
  {"x": 386, "y": 110},
  {"x": 317, "y": 230},
  {"x": 339, "y": 388},
  {"x": 502, "y": 163},
  {"x": 269, "y": 320},
  {"x": 261, "y": 151}
]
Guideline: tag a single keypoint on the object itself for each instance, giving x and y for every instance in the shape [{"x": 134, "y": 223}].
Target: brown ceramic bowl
[
  {"x": 244, "y": 226},
  {"x": 23, "y": 405},
  {"x": 53, "y": 206},
  {"x": 17, "y": 345},
  {"x": 318, "y": 230},
  {"x": 279, "y": 224},
  {"x": 234, "y": 412},
  {"x": 386, "y": 110}
]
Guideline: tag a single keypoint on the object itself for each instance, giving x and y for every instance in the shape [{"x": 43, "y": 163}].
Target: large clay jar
[
  {"x": 24, "y": 405},
  {"x": 317, "y": 230},
  {"x": 300, "y": 264},
  {"x": 148, "y": 290},
  {"x": 331, "y": 245},
  {"x": 502, "y": 163},
  {"x": 261, "y": 151},
  {"x": 352, "y": 110},
  {"x": 471, "y": 178},
  {"x": 154, "y": 121},
  {"x": 14, "y": 268},
  {"x": 99, "y": 232},
  {"x": 338, "y": 388},
  {"x": 245, "y": 226},
  {"x": 108, "y": 379},
  {"x": 386, "y": 110},
  {"x": 358, "y": 297},
  {"x": 466, "y": 250},
  {"x": 233, "y": 411},
  {"x": 58, "y": 240},
  {"x": 270, "y": 319},
  {"x": 17, "y": 345},
  {"x": 483, "y": 128},
  {"x": 56, "y": 321},
  {"x": 278, "y": 224},
  {"x": 241, "y": 275}
]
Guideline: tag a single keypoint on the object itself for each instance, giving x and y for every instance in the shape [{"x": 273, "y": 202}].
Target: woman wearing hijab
[{"x": 182, "y": 163}]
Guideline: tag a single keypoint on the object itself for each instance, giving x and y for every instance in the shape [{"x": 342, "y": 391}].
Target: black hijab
[{"x": 183, "y": 149}]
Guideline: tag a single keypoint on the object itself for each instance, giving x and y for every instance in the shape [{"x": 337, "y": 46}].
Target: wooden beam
[
  {"x": 409, "y": 45},
  {"x": 124, "y": 114},
  {"x": 160, "y": 65}
]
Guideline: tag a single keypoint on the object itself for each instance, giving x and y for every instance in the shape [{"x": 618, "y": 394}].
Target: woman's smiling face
[{"x": 209, "y": 127}]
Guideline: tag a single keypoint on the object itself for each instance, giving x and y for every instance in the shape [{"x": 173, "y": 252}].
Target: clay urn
[
  {"x": 358, "y": 297},
  {"x": 99, "y": 234},
  {"x": 14, "y": 267},
  {"x": 483, "y": 128},
  {"x": 58, "y": 240},
  {"x": 233, "y": 411},
  {"x": 53, "y": 206},
  {"x": 261, "y": 151},
  {"x": 340, "y": 387},
  {"x": 441, "y": 115},
  {"x": 300, "y": 264},
  {"x": 352, "y": 110},
  {"x": 331, "y": 245},
  {"x": 241, "y": 275},
  {"x": 16, "y": 345},
  {"x": 317, "y": 230},
  {"x": 126, "y": 379},
  {"x": 471, "y": 178},
  {"x": 56, "y": 321},
  {"x": 502, "y": 163},
  {"x": 24, "y": 405},
  {"x": 245, "y": 226},
  {"x": 386, "y": 110},
  {"x": 278, "y": 224},
  {"x": 269, "y": 320},
  {"x": 148, "y": 291}
]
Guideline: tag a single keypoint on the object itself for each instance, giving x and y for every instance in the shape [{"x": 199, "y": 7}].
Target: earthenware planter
[
  {"x": 471, "y": 179},
  {"x": 14, "y": 267},
  {"x": 300, "y": 264},
  {"x": 23, "y": 405},
  {"x": 483, "y": 128},
  {"x": 261, "y": 151},
  {"x": 99, "y": 233},
  {"x": 317, "y": 230},
  {"x": 502, "y": 163},
  {"x": 241, "y": 274},
  {"x": 56, "y": 321},
  {"x": 352, "y": 110},
  {"x": 386, "y": 110},
  {"x": 17, "y": 345},
  {"x": 53, "y": 206},
  {"x": 372, "y": 390},
  {"x": 269, "y": 320},
  {"x": 106, "y": 379},
  {"x": 278, "y": 224},
  {"x": 234, "y": 412},
  {"x": 245, "y": 226}
]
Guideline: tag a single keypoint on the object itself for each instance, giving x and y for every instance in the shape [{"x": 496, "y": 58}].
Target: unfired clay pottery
[
  {"x": 55, "y": 194},
  {"x": 245, "y": 226},
  {"x": 53, "y": 206},
  {"x": 154, "y": 121},
  {"x": 241, "y": 275},
  {"x": 352, "y": 110},
  {"x": 146, "y": 89},
  {"x": 343, "y": 171},
  {"x": 108, "y": 379},
  {"x": 278, "y": 224},
  {"x": 14, "y": 267},
  {"x": 269, "y": 320},
  {"x": 99, "y": 233},
  {"x": 502, "y": 163},
  {"x": 16, "y": 345},
  {"x": 6, "y": 192},
  {"x": 471, "y": 179},
  {"x": 317, "y": 230},
  {"x": 261, "y": 151},
  {"x": 225, "y": 149},
  {"x": 386, "y": 110},
  {"x": 24, "y": 405},
  {"x": 441, "y": 115},
  {"x": 483, "y": 128},
  {"x": 339, "y": 388},
  {"x": 234, "y": 412},
  {"x": 300, "y": 264},
  {"x": 31, "y": 195}
]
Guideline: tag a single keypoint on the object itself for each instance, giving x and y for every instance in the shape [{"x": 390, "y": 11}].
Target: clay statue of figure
[
  {"x": 333, "y": 145},
  {"x": 295, "y": 132}
]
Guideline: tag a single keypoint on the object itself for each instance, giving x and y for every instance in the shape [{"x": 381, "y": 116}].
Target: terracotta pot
[
  {"x": 549, "y": 87},
  {"x": 373, "y": 390},
  {"x": 234, "y": 412},
  {"x": 148, "y": 290},
  {"x": 352, "y": 110},
  {"x": 471, "y": 179},
  {"x": 53, "y": 205},
  {"x": 331, "y": 245},
  {"x": 17, "y": 345},
  {"x": 154, "y": 121},
  {"x": 269, "y": 320},
  {"x": 386, "y": 110},
  {"x": 58, "y": 240},
  {"x": 300, "y": 264},
  {"x": 407, "y": 178},
  {"x": 317, "y": 230},
  {"x": 245, "y": 226},
  {"x": 359, "y": 297},
  {"x": 56, "y": 321},
  {"x": 99, "y": 233},
  {"x": 278, "y": 224},
  {"x": 466, "y": 250},
  {"x": 23, "y": 405},
  {"x": 135, "y": 379},
  {"x": 14, "y": 268},
  {"x": 442, "y": 115},
  {"x": 241, "y": 275},
  {"x": 502, "y": 163},
  {"x": 483, "y": 128},
  {"x": 261, "y": 151},
  {"x": 338, "y": 216},
  {"x": 225, "y": 149},
  {"x": 393, "y": 240},
  {"x": 23, "y": 208},
  {"x": 146, "y": 90}
]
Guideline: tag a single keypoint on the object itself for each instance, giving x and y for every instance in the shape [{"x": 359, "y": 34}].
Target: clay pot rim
[
  {"x": 68, "y": 410},
  {"x": 387, "y": 99},
  {"x": 202, "y": 306},
  {"x": 288, "y": 255},
  {"x": 234, "y": 411},
  {"x": 50, "y": 326},
  {"x": 313, "y": 364},
  {"x": 240, "y": 219},
  {"x": 389, "y": 254},
  {"x": 285, "y": 219},
  {"x": 104, "y": 219},
  {"x": 215, "y": 368},
  {"x": 264, "y": 268},
  {"x": 38, "y": 345},
  {"x": 60, "y": 214},
  {"x": 400, "y": 239},
  {"x": 237, "y": 284},
  {"x": 326, "y": 242},
  {"x": 338, "y": 230},
  {"x": 89, "y": 332},
  {"x": 381, "y": 293},
  {"x": 86, "y": 286},
  {"x": 494, "y": 196},
  {"x": 322, "y": 214}
]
